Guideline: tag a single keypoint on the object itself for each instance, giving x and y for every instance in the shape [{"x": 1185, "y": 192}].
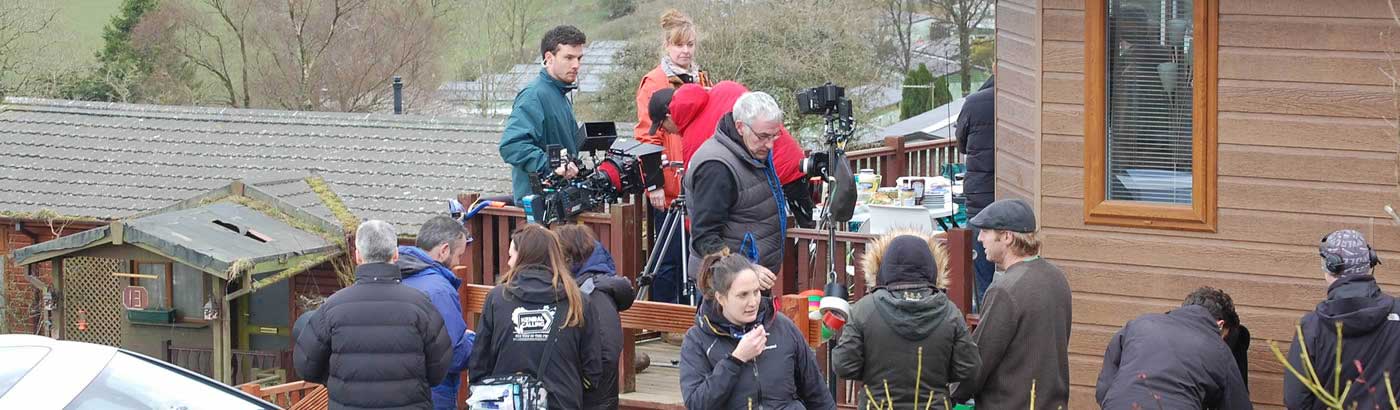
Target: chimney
[{"x": 398, "y": 95}]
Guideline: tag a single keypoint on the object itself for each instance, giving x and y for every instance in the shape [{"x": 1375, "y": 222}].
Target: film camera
[{"x": 625, "y": 167}]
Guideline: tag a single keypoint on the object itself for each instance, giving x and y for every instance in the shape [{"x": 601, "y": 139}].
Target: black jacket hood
[
  {"x": 618, "y": 289},
  {"x": 907, "y": 261},
  {"x": 1357, "y": 303},
  {"x": 532, "y": 284},
  {"x": 919, "y": 311}
]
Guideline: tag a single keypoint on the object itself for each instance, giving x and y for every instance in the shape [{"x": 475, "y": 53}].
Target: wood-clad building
[{"x": 1287, "y": 135}]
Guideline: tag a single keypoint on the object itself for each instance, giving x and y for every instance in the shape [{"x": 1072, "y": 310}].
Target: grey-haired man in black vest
[{"x": 736, "y": 199}]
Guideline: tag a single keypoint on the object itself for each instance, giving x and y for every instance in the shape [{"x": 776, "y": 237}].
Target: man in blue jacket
[
  {"x": 542, "y": 114},
  {"x": 426, "y": 267}
]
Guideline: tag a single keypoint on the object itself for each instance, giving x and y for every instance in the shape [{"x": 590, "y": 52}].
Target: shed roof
[{"x": 222, "y": 232}]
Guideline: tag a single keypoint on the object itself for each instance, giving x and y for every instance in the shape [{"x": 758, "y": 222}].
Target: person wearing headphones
[{"x": 1370, "y": 327}]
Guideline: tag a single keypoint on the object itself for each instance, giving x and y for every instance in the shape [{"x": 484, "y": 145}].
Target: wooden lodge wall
[{"x": 1304, "y": 148}]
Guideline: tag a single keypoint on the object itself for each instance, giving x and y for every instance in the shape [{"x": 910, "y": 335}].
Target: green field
[{"x": 81, "y": 22}]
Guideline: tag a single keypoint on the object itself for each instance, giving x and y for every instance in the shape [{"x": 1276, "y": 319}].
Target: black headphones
[{"x": 1335, "y": 264}]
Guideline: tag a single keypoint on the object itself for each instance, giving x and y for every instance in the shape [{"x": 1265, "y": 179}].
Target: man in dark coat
[
  {"x": 1176, "y": 360},
  {"x": 976, "y": 133},
  {"x": 736, "y": 198},
  {"x": 1023, "y": 336},
  {"x": 426, "y": 267},
  {"x": 906, "y": 332},
  {"x": 1370, "y": 326},
  {"x": 376, "y": 344},
  {"x": 607, "y": 295}
]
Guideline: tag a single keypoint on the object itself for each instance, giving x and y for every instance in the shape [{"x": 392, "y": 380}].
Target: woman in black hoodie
[
  {"x": 536, "y": 322},
  {"x": 905, "y": 340},
  {"x": 741, "y": 354},
  {"x": 607, "y": 295}
]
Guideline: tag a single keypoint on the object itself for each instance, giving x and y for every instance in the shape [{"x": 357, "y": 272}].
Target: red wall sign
[{"x": 135, "y": 297}]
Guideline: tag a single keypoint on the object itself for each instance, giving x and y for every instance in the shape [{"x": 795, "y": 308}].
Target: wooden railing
[
  {"x": 619, "y": 229},
  {"x": 898, "y": 158},
  {"x": 248, "y": 366},
  {"x": 298, "y": 395}
]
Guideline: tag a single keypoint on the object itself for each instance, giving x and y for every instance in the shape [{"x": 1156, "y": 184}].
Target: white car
[{"x": 37, "y": 372}]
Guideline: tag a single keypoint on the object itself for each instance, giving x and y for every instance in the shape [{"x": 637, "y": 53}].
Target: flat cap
[{"x": 1007, "y": 215}]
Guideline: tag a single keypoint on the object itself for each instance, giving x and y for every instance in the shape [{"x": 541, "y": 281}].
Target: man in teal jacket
[{"x": 542, "y": 114}]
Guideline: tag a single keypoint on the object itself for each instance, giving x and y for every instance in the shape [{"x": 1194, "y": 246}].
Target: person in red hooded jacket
[{"x": 697, "y": 111}]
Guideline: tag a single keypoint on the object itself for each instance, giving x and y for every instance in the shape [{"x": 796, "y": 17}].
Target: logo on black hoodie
[{"x": 532, "y": 325}]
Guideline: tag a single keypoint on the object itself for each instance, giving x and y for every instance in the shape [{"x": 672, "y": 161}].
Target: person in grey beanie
[{"x": 1370, "y": 326}]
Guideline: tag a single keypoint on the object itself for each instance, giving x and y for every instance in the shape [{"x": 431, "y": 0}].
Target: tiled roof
[{"x": 107, "y": 160}]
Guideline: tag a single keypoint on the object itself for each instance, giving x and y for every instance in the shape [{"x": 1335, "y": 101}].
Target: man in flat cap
[
  {"x": 1369, "y": 321},
  {"x": 1023, "y": 335}
]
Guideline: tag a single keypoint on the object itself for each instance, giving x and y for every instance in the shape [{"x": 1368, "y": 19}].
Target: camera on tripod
[
  {"x": 829, "y": 101},
  {"x": 625, "y": 167},
  {"x": 831, "y": 165}
]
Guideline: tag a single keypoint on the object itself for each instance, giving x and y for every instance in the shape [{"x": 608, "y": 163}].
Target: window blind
[{"x": 1150, "y": 76}]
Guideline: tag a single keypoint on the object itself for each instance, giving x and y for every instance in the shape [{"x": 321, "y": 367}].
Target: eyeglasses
[{"x": 763, "y": 137}]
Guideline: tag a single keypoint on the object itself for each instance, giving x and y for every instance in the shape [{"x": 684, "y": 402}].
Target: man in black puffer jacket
[{"x": 376, "y": 344}]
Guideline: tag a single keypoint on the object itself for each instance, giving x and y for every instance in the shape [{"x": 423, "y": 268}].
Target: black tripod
[{"x": 672, "y": 226}]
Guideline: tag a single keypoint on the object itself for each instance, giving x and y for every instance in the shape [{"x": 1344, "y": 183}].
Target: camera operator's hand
[
  {"x": 657, "y": 198},
  {"x": 568, "y": 170}
]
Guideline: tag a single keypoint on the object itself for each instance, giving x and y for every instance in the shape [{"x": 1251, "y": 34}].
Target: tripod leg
[{"x": 653, "y": 261}]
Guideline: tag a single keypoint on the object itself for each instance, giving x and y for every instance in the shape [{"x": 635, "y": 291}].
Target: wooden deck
[{"x": 659, "y": 386}]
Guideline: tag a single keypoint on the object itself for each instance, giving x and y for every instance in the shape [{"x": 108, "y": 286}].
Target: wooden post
[
  {"x": 626, "y": 249},
  {"x": 221, "y": 359},
  {"x": 472, "y": 257},
  {"x": 894, "y": 167},
  {"x": 960, "y": 274}
]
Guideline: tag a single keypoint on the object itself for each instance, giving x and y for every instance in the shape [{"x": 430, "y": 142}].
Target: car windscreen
[
  {"x": 130, "y": 382},
  {"x": 15, "y": 362}
]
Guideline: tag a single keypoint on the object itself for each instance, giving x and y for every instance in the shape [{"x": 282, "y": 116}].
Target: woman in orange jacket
[{"x": 677, "y": 67}]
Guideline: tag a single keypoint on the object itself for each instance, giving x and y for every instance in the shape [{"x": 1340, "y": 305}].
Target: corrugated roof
[{"x": 109, "y": 160}]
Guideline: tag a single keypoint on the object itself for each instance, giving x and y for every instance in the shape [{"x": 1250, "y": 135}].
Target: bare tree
[
  {"x": 899, "y": 15},
  {"x": 383, "y": 41},
  {"x": 22, "y": 28},
  {"x": 965, "y": 15},
  {"x": 296, "y": 35},
  {"x": 519, "y": 18}
]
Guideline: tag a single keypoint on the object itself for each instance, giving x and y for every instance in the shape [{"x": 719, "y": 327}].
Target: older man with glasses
[{"x": 736, "y": 198}]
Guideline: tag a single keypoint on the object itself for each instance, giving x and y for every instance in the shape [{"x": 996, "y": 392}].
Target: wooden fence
[{"x": 248, "y": 365}]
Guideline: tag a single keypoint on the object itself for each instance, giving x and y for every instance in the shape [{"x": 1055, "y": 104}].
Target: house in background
[
  {"x": 1173, "y": 144},
  {"x": 186, "y": 281},
  {"x": 70, "y": 166}
]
